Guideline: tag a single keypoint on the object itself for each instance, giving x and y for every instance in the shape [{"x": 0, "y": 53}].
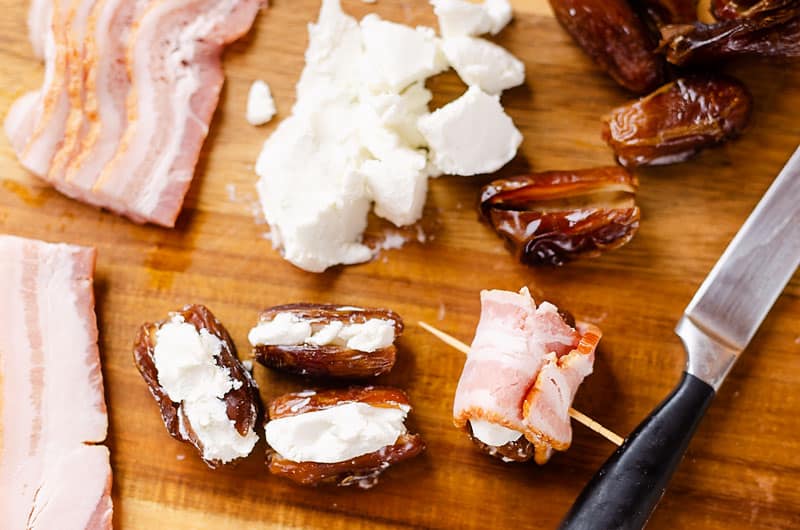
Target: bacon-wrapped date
[
  {"x": 770, "y": 28},
  {"x": 553, "y": 217},
  {"x": 362, "y": 471},
  {"x": 678, "y": 120},
  {"x": 614, "y": 36}
]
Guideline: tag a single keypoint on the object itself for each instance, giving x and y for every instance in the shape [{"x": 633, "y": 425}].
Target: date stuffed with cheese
[
  {"x": 327, "y": 340},
  {"x": 345, "y": 437},
  {"x": 554, "y": 217},
  {"x": 207, "y": 398},
  {"x": 678, "y": 120}
]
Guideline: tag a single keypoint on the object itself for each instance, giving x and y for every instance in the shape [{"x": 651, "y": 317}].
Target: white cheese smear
[
  {"x": 492, "y": 434},
  {"x": 286, "y": 329},
  {"x": 336, "y": 434},
  {"x": 354, "y": 139},
  {"x": 188, "y": 372}
]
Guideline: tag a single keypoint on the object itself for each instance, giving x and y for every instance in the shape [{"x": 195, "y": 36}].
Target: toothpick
[{"x": 574, "y": 414}]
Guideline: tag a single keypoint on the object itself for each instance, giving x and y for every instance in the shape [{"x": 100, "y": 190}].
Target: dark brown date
[
  {"x": 332, "y": 361},
  {"x": 670, "y": 11},
  {"x": 614, "y": 36},
  {"x": 362, "y": 471},
  {"x": 733, "y": 9},
  {"x": 551, "y": 218},
  {"x": 762, "y": 30},
  {"x": 243, "y": 404},
  {"x": 678, "y": 120}
]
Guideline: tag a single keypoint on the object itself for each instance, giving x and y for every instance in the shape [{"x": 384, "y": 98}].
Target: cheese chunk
[
  {"x": 484, "y": 64},
  {"x": 462, "y": 18},
  {"x": 336, "y": 434},
  {"x": 260, "y": 105},
  {"x": 492, "y": 434},
  {"x": 471, "y": 135}
]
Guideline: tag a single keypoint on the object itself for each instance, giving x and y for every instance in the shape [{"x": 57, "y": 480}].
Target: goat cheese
[
  {"x": 260, "y": 105},
  {"x": 492, "y": 434},
  {"x": 398, "y": 54},
  {"x": 484, "y": 64},
  {"x": 460, "y": 17},
  {"x": 471, "y": 135},
  {"x": 286, "y": 329},
  {"x": 188, "y": 372},
  {"x": 336, "y": 434}
]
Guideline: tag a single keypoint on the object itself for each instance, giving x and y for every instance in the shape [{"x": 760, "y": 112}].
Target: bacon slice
[
  {"x": 523, "y": 370},
  {"x": 177, "y": 77},
  {"x": 52, "y": 473}
]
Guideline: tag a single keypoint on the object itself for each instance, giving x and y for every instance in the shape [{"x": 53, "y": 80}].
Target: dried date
[
  {"x": 242, "y": 402},
  {"x": 553, "y": 217},
  {"x": 670, "y": 11},
  {"x": 614, "y": 36},
  {"x": 678, "y": 120},
  {"x": 334, "y": 360},
  {"x": 766, "y": 29},
  {"x": 362, "y": 471}
]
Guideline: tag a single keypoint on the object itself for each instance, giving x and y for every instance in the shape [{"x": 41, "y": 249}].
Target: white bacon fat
[
  {"x": 52, "y": 472},
  {"x": 129, "y": 91},
  {"x": 523, "y": 370}
]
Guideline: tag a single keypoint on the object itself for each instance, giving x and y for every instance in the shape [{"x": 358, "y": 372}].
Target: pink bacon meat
[
  {"x": 52, "y": 472},
  {"x": 174, "y": 61},
  {"x": 523, "y": 370}
]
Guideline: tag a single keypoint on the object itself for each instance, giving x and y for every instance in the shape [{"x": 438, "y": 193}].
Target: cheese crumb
[
  {"x": 484, "y": 64},
  {"x": 462, "y": 18},
  {"x": 471, "y": 135},
  {"x": 260, "y": 105}
]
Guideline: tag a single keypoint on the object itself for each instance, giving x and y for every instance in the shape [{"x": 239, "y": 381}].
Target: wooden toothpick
[{"x": 574, "y": 414}]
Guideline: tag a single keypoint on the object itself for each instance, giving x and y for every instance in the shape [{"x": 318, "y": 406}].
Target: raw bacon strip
[
  {"x": 177, "y": 77},
  {"x": 38, "y": 24},
  {"x": 106, "y": 89},
  {"x": 51, "y": 473},
  {"x": 546, "y": 407},
  {"x": 524, "y": 367},
  {"x": 36, "y": 142}
]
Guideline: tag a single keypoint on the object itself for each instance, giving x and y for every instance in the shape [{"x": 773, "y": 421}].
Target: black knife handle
[{"x": 626, "y": 490}]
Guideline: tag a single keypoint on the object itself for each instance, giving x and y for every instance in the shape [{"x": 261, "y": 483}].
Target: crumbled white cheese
[
  {"x": 336, "y": 434},
  {"x": 484, "y": 64},
  {"x": 460, "y": 17},
  {"x": 492, "y": 434},
  {"x": 399, "y": 55},
  {"x": 187, "y": 370},
  {"x": 355, "y": 137},
  {"x": 287, "y": 329},
  {"x": 260, "y": 105},
  {"x": 471, "y": 135}
]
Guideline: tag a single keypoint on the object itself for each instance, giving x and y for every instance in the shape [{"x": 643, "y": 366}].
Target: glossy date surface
[
  {"x": 678, "y": 120},
  {"x": 616, "y": 39},
  {"x": 554, "y": 217}
]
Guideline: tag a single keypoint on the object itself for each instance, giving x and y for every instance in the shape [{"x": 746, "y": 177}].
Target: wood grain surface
[{"x": 743, "y": 468}]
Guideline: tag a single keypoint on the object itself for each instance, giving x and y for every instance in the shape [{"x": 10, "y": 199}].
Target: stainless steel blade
[{"x": 742, "y": 287}]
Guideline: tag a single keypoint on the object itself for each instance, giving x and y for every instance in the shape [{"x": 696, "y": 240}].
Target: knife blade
[{"x": 716, "y": 328}]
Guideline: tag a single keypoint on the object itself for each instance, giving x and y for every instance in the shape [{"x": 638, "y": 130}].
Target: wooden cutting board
[{"x": 743, "y": 468}]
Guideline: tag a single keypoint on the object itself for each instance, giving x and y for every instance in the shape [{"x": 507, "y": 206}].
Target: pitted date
[
  {"x": 330, "y": 360},
  {"x": 554, "y": 217},
  {"x": 243, "y": 403},
  {"x": 362, "y": 471},
  {"x": 733, "y": 9},
  {"x": 678, "y": 120},
  {"x": 614, "y": 36},
  {"x": 766, "y": 29},
  {"x": 520, "y": 450}
]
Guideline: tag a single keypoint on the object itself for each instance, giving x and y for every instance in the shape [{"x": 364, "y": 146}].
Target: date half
[
  {"x": 678, "y": 120},
  {"x": 243, "y": 403},
  {"x": 333, "y": 360},
  {"x": 554, "y": 217},
  {"x": 362, "y": 471}
]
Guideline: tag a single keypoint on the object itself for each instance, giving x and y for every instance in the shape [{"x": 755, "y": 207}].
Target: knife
[{"x": 716, "y": 327}]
